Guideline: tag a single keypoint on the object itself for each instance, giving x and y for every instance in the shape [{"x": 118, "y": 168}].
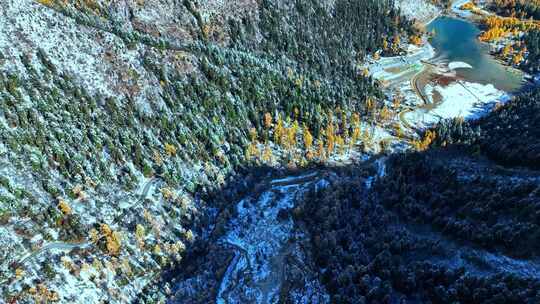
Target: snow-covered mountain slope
[
  {"x": 423, "y": 11},
  {"x": 119, "y": 119}
]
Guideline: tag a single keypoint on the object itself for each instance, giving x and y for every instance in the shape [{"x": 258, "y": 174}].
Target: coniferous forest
[{"x": 267, "y": 151}]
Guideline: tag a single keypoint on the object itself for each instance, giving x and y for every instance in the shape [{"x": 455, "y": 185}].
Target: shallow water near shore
[{"x": 456, "y": 40}]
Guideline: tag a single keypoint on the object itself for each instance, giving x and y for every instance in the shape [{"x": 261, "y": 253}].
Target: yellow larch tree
[
  {"x": 308, "y": 139},
  {"x": 267, "y": 154}
]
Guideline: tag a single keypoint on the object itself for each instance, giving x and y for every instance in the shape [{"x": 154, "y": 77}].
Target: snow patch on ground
[
  {"x": 456, "y": 8},
  {"x": 26, "y": 25},
  {"x": 459, "y": 99},
  {"x": 260, "y": 240},
  {"x": 385, "y": 68},
  {"x": 459, "y": 65},
  {"x": 292, "y": 178},
  {"x": 259, "y": 236},
  {"x": 99, "y": 61},
  {"x": 420, "y": 10}
]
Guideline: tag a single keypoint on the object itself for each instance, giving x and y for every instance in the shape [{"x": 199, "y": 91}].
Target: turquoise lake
[{"x": 456, "y": 40}]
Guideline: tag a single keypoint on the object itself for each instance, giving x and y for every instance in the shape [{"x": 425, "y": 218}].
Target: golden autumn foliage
[
  {"x": 64, "y": 207},
  {"x": 291, "y": 135},
  {"x": 355, "y": 136},
  {"x": 126, "y": 267},
  {"x": 308, "y": 139},
  {"x": 370, "y": 104},
  {"x": 19, "y": 273},
  {"x": 468, "y": 6},
  {"x": 365, "y": 72},
  {"x": 46, "y": 2},
  {"x": 278, "y": 131},
  {"x": 79, "y": 192},
  {"x": 94, "y": 235},
  {"x": 93, "y": 5},
  {"x": 507, "y": 50},
  {"x": 492, "y": 34},
  {"x": 140, "y": 234},
  {"x": 340, "y": 142},
  {"x": 252, "y": 151},
  {"x": 189, "y": 235},
  {"x": 297, "y": 142},
  {"x": 395, "y": 43},
  {"x": 330, "y": 138},
  {"x": 253, "y": 134},
  {"x": 42, "y": 294},
  {"x": 416, "y": 40},
  {"x": 423, "y": 144},
  {"x": 267, "y": 154},
  {"x": 517, "y": 58},
  {"x": 170, "y": 149},
  {"x": 113, "y": 239},
  {"x": 105, "y": 229},
  {"x": 157, "y": 158},
  {"x": 355, "y": 121},
  {"x": 157, "y": 249},
  {"x": 114, "y": 242},
  {"x": 398, "y": 130},
  {"x": 499, "y": 27},
  {"x": 167, "y": 193},
  {"x": 321, "y": 153},
  {"x": 385, "y": 114}
]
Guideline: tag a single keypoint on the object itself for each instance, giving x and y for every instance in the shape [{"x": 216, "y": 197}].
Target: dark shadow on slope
[
  {"x": 447, "y": 225},
  {"x": 438, "y": 227},
  {"x": 509, "y": 136},
  {"x": 376, "y": 244},
  {"x": 450, "y": 224},
  {"x": 198, "y": 278}
]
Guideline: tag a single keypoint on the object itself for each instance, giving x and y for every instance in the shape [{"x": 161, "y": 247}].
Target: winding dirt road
[
  {"x": 420, "y": 94},
  {"x": 69, "y": 246}
]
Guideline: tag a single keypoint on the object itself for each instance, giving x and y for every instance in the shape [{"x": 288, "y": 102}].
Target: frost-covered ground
[
  {"x": 456, "y": 8},
  {"x": 423, "y": 11},
  {"x": 261, "y": 236},
  {"x": 459, "y": 65},
  {"x": 61, "y": 65},
  {"x": 99, "y": 60},
  {"x": 384, "y": 68},
  {"x": 262, "y": 228},
  {"x": 39, "y": 262},
  {"x": 459, "y": 99}
]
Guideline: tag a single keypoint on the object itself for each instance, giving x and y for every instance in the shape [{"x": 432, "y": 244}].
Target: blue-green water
[{"x": 456, "y": 40}]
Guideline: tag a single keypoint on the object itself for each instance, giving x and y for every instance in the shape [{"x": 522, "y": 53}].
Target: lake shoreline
[
  {"x": 460, "y": 44},
  {"x": 458, "y": 13},
  {"x": 449, "y": 86}
]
